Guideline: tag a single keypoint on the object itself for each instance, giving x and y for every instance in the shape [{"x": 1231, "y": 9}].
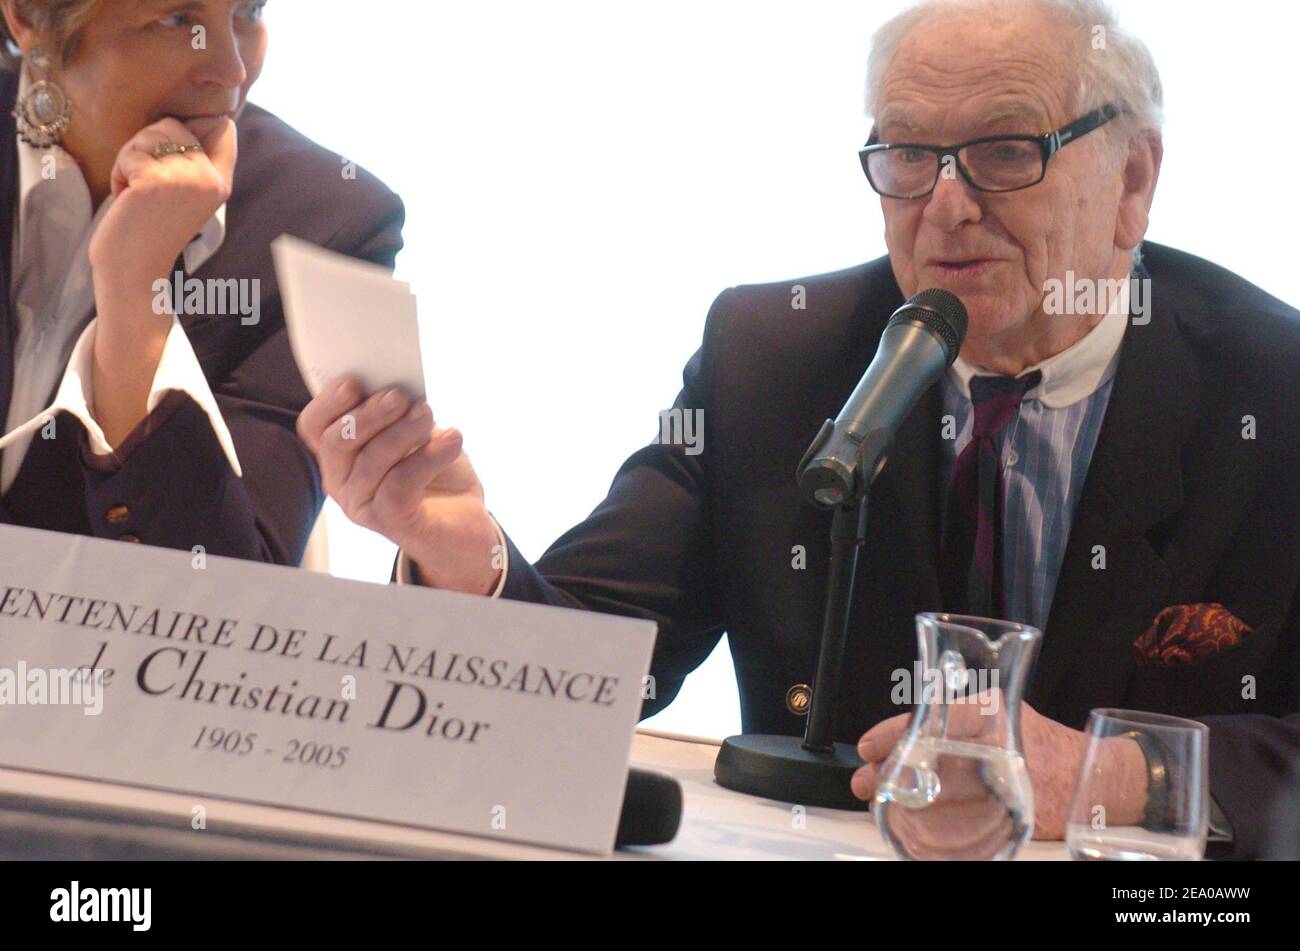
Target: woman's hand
[{"x": 159, "y": 205}]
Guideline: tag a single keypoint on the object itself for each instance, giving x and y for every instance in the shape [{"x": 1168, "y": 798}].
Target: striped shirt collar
[{"x": 1075, "y": 373}]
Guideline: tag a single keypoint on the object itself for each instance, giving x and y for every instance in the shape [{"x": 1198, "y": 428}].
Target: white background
[{"x": 582, "y": 178}]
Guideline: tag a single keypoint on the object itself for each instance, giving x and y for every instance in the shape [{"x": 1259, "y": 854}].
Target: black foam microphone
[
  {"x": 652, "y": 809},
  {"x": 922, "y": 338}
]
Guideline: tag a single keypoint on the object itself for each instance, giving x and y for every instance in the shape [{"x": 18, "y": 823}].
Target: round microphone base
[{"x": 778, "y": 767}]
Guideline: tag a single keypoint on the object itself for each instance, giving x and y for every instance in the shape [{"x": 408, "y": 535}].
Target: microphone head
[{"x": 942, "y": 313}]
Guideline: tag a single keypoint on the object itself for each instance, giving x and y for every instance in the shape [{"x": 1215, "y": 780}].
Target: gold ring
[{"x": 163, "y": 149}]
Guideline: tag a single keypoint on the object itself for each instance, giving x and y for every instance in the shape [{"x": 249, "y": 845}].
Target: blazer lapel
[
  {"x": 8, "y": 213},
  {"x": 1112, "y": 580}
]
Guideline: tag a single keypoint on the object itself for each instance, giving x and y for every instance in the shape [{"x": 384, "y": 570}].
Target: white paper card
[
  {"x": 348, "y": 317},
  {"x": 286, "y": 687}
]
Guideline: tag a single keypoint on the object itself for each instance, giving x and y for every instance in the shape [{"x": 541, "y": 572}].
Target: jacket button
[
  {"x": 798, "y": 698},
  {"x": 129, "y": 538},
  {"x": 117, "y": 514}
]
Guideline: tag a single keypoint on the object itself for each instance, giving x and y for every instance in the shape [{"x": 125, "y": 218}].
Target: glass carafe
[{"x": 955, "y": 785}]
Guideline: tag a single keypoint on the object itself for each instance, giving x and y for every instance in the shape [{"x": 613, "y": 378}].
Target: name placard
[{"x": 212, "y": 676}]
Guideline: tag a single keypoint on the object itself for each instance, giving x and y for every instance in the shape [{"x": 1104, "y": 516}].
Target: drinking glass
[{"x": 1143, "y": 789}]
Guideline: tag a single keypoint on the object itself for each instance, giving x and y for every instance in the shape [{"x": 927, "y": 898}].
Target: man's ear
[{"x": 1140, "y": 173}]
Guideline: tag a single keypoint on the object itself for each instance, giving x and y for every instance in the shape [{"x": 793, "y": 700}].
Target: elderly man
[{"x": 1147, "y": 442}]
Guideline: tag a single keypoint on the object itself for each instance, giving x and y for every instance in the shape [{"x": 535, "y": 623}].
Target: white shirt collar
[
  {"x": 71, "y": 195},
  {"x": 1075, "y": 373}
]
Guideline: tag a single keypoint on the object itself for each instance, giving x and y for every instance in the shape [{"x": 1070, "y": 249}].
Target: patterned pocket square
[{"x": 1186, "y": 633}]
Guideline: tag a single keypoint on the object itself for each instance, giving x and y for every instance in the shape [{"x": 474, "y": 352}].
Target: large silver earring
[{"x": 45, "y": 113}]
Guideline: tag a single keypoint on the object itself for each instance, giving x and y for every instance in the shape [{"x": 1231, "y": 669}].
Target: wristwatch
[{"x": 1156, "y": 816}]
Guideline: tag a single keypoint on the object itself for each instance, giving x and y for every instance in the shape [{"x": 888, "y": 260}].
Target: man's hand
[
  {"x": 1053, "y": 756},
  {"x": 393, "y": 471}
]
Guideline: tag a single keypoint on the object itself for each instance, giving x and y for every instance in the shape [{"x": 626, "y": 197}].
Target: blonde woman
[{"x": 147, "y": 390}]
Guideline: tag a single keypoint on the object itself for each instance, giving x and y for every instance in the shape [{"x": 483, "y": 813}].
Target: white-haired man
[{"x": 1145, "y": 509}]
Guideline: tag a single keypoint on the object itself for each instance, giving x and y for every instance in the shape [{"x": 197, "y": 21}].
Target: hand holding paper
[{"x": 391, "y": 470}]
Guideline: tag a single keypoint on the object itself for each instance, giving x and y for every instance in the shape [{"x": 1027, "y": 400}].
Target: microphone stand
[{"x": 815, "y": 771}]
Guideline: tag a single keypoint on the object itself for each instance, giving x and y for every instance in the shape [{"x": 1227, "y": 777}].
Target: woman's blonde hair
[{"x": 61, "y": 21}]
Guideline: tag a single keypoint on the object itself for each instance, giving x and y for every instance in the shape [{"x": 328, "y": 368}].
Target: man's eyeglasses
[{"x": 995, "y": 163}]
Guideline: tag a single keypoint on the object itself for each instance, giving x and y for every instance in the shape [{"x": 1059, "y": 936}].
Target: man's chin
[{"x": 990, "y": 319}]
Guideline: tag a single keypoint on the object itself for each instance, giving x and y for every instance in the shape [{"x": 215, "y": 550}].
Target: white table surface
[
  {"x": 44, "y": 816},
  {"x": 720, "y": 823}
]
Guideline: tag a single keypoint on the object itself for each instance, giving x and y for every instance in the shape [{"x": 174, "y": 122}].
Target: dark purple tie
[{"x": 970, "y": 562}]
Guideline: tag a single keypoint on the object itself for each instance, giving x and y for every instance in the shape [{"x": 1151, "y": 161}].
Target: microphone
[
  {"x": 652, "y": 809},
  {"x": 922, "y": 338}
]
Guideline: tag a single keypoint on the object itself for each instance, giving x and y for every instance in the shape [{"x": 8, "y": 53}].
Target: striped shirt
[{"x": 1045, "y": 453}]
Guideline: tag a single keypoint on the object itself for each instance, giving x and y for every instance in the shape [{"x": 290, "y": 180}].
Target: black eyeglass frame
[{"x": 1049, "y": 143}]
